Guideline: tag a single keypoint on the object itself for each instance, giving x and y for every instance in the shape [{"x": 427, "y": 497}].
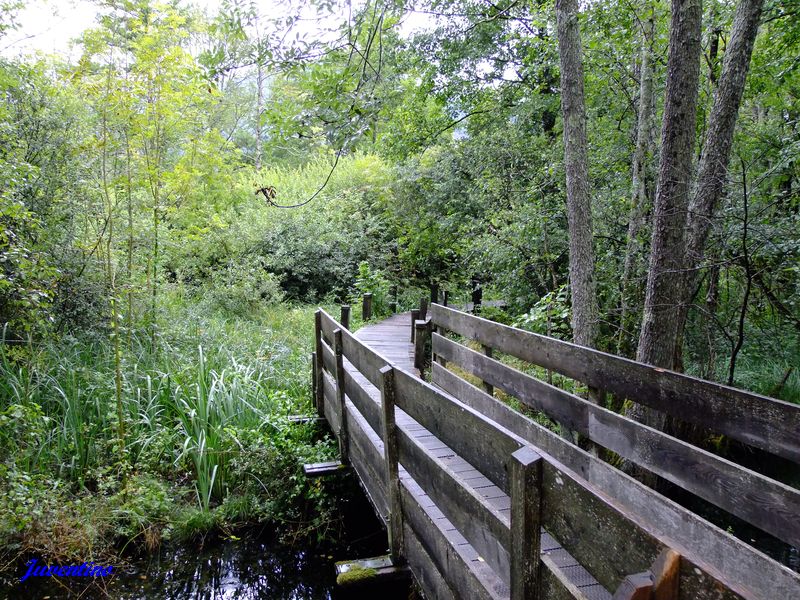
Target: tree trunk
[
  {"x": 259, "y": 111},
  {"x": 663, "y": 293},
  {"x": 579, "y": 214},
  {"x": 748, "y": 272},
  {"x": 713, "y": 169},
  {"x": 640, "y": 201}
]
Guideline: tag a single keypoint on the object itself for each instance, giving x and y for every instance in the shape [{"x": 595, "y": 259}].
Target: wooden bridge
[{"x": 482, "y": 501}]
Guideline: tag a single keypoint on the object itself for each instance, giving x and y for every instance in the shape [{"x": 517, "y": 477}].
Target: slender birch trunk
[
  {"x": 579, "y": 213},
  {"x": 640, "y": 201}
]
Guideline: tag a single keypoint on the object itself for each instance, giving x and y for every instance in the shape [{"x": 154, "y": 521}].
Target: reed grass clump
[{"x": 207, "y": 443}]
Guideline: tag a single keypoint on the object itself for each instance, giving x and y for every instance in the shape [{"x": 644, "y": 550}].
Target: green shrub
[{"x": 242, "y": 285}]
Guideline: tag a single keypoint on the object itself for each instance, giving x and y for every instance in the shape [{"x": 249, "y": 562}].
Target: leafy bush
[
  {"x": 242, "y": 285},
  {"x": 372, "y": 281},
  {"x": 549, "y": 316}
]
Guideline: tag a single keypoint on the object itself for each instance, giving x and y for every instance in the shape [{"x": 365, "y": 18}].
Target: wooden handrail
[
  {"x": 755, "y": 420},
  {"x": 614, "y": 526}
]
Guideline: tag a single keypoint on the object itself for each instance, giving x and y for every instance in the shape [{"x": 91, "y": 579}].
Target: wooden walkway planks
[
  {"x": 392, "y": 339},
  {"x": 496, "y": 584}
]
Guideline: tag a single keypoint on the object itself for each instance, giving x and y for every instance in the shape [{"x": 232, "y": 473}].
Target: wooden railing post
[
  {"x": 525, "y": 481},
  {"x": 445, "y": 298},
  {"x": 477, "y": 296},
  {"x": 414, "y": 319},
  {"x": 391, "y": 456},
  {"x": 487, "y": 387},
  {"x": 314, "y": 382},
  {"x": 393, "y": 301},
  {"x": 366, "y": 307},
  {"x": 319, "y": 396},
  {"x": 421, "y": 337},
  {"x": 345, "y": 318},
  {"x": 435, "y": 293},
  {"x": 343, "y": 435},
  {"x": 423, "y": 308}
]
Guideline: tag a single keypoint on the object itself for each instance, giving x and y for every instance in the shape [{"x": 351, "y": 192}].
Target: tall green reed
[{"x": 184, "y": 405}]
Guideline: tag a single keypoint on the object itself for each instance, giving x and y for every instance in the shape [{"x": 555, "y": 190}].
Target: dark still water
[
  {"x": 232, "y": 569},
  {"x": 253, "y": 567}
]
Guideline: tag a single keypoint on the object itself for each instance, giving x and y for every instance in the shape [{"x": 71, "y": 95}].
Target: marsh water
[
  {"x": 231, "y": 569},
  {"x": 254, "y": 567}
]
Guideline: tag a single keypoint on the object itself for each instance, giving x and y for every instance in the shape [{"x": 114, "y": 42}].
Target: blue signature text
[{"x": 82, "y": 570}]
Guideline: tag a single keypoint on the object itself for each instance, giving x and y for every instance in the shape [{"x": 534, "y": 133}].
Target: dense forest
[{"x": 177, "y": 199}]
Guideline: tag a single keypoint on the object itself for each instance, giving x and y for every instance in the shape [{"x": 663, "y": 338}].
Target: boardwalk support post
[
  {"x": 414, "y": 319},
  {"x": 488, "y": 388},
  {"x": 391, "y": 456},
  {"x": 345, "y": 317},
  {"x": 366, "y": 307},
  {"x": 314, "y": 396},
  {"x": 477, "y": 296},
  {"x": 319, "y": 397},
  {"x": 421, "y": 337},
  {"x": 343, "y": 441},
  {"x": 526, "y": 523}
]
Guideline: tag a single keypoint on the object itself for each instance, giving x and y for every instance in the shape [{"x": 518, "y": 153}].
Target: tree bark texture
[
  {"x": 713, "y": 168},
  {"x": 259, "y": 111},
  {"x": 579, "y": 213},
  {"x": 667, "y": 252},
  {"x": 640, "y": 201}
]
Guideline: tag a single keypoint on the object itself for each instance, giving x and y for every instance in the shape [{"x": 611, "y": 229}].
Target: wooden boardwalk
[
  {"x": 392, "y": 339},
  {"x": 449, "y": 469}
]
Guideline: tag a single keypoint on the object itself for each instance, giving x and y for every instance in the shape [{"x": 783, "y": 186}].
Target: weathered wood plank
[
  {"x": 606, "y": 538},
  {"x": 763, "y": 422},
  {"x": 327, "y": 325},
  {"x": 323, "y": 468},
  {"x": 316, "y": 394},
  {"x": 329, "y": 394},
  {"x": 332, "y": 416},
  {"x": 363, "y": 401},
  {"x": 384, "y": 571},
  {"x": 367, "y": 460},
  {"x": 555, "y": 585},
  {"x": 599, "y": 534},
  {"x": 694, "y": 586},
  {"x": 759, "y": 500},
  {"x": 366, "y": 307},
  {"x": 420, "y": 339},
  {"x": 426, "y": 573},
  {"x": 328, "y": 358},
  {"x": 367, "y": 361},
  {"x": 463, "y": 579},
  {"x": 474, "y": 437},
  {"x": 745, "y": 570},
  {"x": 485, "y": 527}
]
